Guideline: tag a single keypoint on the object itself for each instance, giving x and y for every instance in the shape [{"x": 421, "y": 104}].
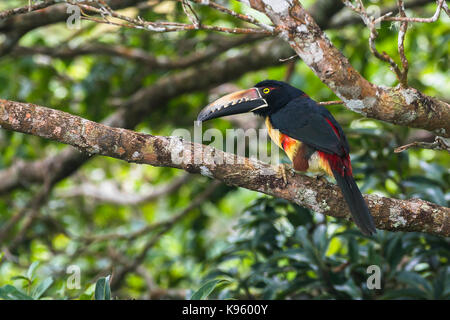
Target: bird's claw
[
  {"x": 282, "y": 170},
  {"x": 320, "y": 176}
]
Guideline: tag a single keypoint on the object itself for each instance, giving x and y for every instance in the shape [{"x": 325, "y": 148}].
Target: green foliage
[
  {"x": 35, "y": 287},
  {"x": 102, "y": 289},
  {"x": 282, "y": 252},
  {"x": 205, "y": 290}
]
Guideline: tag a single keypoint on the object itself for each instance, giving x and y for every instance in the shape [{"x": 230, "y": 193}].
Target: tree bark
[
  {"x": 402, "y": 106},
  {"x": 317, "y": 194}
]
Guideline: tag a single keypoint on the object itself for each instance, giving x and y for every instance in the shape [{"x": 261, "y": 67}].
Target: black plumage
[{"x": 303, "y": 119}]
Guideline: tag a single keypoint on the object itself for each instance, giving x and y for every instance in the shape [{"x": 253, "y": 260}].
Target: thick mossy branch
[
  {"x": 399, "y": 105},
  {"x": 317, "y": 194}
]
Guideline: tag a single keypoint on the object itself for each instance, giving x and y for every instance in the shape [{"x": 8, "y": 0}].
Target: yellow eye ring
[{"x": 266, "y": 90}]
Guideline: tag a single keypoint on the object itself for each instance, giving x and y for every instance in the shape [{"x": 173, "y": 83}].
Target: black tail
[{"x": 355, "y": 201}]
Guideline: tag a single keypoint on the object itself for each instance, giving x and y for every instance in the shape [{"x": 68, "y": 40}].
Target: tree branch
[
  {"x": 108, "y": 192},
  {"x": 14, "y": 27},
  {"x": 138, "y": 55},
  {"x": 420, "y": 20},
  {"x": 371, "y": 23},
  {"x": 25, "y": 9},
  {"x": 439, "y": 143},
  {"x": 318, "y": 195},
  {"x": 240, "y": 16},
  {"x": 142, "y": 103},
  {"x": 354, "y": 19},
  {"x": 165, "y": 26}
]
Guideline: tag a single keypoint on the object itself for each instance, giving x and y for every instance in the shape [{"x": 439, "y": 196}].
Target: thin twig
[
  {"x": 289, "y": 58},
  {"x": 440, "y": 143},
  {"x": 371, "y": 23},
  {"x": 289, "y": 71},
  {"x": 28, "y": 8},
  {"x": 330, "y": 103},
  {"x": 162, "y": 26},
  {"x": 235, "y": 14},
  {"x": 351, "y": 19},
  {"x": 434, "y": 18},
  {"x": 446, "y": 9},
  {"x": 401, "y": 46},
  {"x": 190, "y": 13}
]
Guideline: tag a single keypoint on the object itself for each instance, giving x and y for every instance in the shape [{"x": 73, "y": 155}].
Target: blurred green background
[{"x": 235, "y": 243}]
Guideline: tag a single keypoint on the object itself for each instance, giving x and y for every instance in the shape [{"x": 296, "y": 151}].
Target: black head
[
  {"x": 277, "y": 94},
  {"x": 263, "y": 99}
]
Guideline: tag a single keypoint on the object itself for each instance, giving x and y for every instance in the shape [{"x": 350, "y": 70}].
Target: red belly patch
[{"x": 288, "y": 143}]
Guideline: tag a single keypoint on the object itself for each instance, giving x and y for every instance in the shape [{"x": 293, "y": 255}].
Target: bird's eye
[{"x": 266, "y": 90}]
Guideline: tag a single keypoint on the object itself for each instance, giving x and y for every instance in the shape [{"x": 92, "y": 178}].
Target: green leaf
[
  {"x": 353, "y": 250},
  {"x": 394, "y": 251},
  {"x": 415, "y": 280},
  {"x": 21, "y": 278},
  {"x": 32, "y": 270},
  {"x": 39, "y": 290},
  {"x": 350, "y": 288},
  {"x": 439, "y": 284},
  {"x": 206, "y": 289},
  {"x": 102, "y": 289},
  {"x": 10, "y": 292},
  {"x": 411, "y": 293},
  {"x": 320, "y": 239}
]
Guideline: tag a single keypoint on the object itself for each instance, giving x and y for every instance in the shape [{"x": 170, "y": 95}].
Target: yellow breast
[
  {"x": 288, "y": 144},
  {"x": 274, "y": 134}
]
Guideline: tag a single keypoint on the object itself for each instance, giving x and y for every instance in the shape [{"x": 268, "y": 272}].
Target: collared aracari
[{"x": 305, "y": 130}]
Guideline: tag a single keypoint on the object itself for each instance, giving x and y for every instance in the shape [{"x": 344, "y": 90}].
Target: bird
[{"x": 307, "y": 132}]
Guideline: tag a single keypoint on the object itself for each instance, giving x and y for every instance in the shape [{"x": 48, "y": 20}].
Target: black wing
[{"x": 303, "y": 119}]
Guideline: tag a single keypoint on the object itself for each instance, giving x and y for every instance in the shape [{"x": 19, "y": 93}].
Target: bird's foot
[
  {"x": 283, "y": 169},
  {"x": 320, "y": 176}
]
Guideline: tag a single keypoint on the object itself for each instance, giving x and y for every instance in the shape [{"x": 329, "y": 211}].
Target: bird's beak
[{"x": 233, "y": 103}]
